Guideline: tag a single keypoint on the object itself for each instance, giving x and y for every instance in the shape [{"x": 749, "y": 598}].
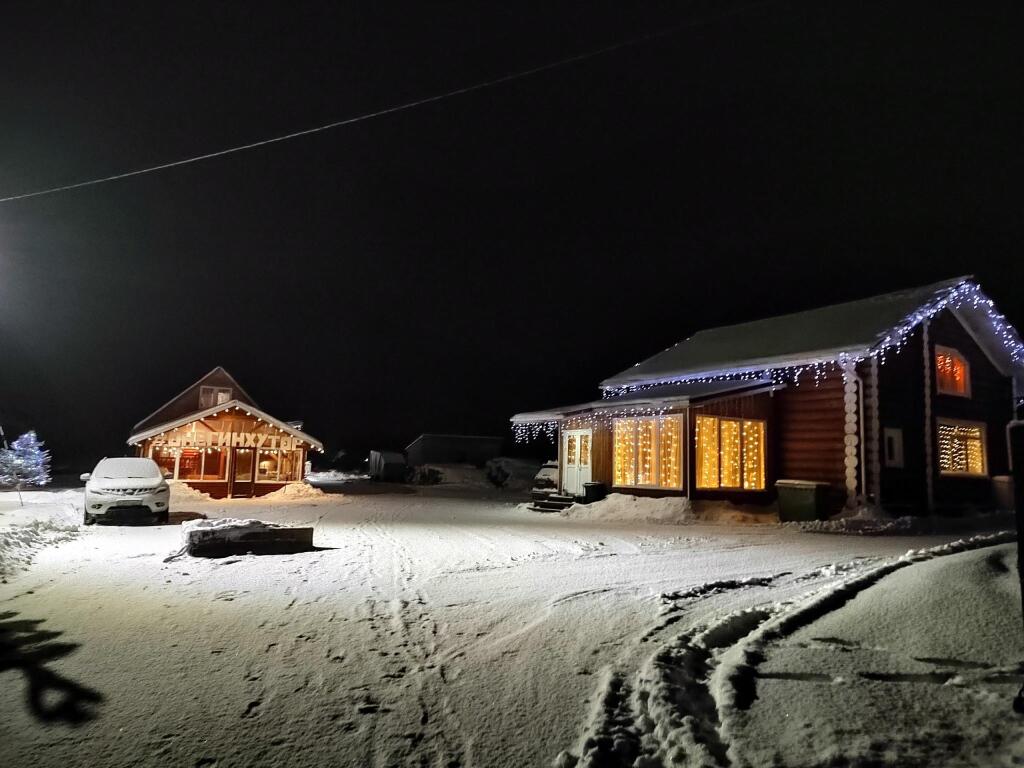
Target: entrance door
[
  {"x": 575, "y": 460},
  {"x": 242, "y": 465}
]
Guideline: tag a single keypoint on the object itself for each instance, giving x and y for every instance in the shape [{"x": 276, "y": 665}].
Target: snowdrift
[
  {"x": 624, "y": 508},
  {"x": 294, "y": 492}
]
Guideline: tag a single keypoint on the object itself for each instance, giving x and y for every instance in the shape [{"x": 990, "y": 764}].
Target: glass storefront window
[{"x": 276, "y": 466}]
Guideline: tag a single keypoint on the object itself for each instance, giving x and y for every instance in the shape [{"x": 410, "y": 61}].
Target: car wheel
[
  {"x": 88, "y": 519},
  {"x": 163, "y": 518}
]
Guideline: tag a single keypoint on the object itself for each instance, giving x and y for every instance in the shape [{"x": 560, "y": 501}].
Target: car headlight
[
  {"x": 162, "y": 489},
  {"x": 98, "y": 491}
]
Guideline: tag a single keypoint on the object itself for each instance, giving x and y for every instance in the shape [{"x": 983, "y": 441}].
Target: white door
[{"x": 576, "y": 460}]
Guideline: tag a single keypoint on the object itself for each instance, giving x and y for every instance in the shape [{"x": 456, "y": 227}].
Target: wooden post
[{"x": 851, "y": 429}]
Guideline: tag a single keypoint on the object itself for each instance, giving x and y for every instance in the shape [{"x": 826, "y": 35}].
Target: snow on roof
[
  {"x": 667, "y": 394},
  {"x": 249, "y": 409},
  {"x": 854, "y": 329}
]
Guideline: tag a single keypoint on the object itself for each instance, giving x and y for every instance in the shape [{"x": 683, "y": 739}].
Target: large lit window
[
  {"x": 203, "y": 464},
  {"x": 670, "y": 465},
  {"x": 648, "y": 452},
  {"x": 277, "y": 466},
  {"x": 730, "y": 453},
  {"x": 961, "y": 448},
  {"x": 952, "y": 372},
  {"x": 624, "y": 456}
]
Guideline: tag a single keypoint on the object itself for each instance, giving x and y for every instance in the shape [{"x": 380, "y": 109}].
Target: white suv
[{"x": 121, "y": 489}]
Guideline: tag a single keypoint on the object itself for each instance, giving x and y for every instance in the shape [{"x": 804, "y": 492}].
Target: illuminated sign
[{"x": 230, "y": 440}]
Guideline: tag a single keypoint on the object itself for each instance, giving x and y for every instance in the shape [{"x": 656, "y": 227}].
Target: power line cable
[{"x": 378, "y": 113}]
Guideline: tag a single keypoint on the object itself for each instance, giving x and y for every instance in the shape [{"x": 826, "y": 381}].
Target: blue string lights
[{"x": 965, "y": 294}]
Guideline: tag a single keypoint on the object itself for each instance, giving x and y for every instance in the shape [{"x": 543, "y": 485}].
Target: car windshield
[{"x": 127, "y": 469}]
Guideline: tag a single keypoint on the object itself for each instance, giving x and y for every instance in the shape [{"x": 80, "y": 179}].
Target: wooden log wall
[{"x": 811, "y": 425}]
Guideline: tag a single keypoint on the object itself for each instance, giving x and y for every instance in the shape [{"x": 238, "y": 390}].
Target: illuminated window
[
  {"x": 276, "y": 466},
  {"x": 707, "y": 452},
  {"x": 584, "y": 450},
  {"x": 624, "y": 455},
  {"x": 952, "y": 372},
  {"x": 961, "y": 448},
  {"x": 203, "y": 464},
  {"x": 753, "y": 455},
  {"x": 570, "y": 450},
  {"x": 647, "y": 430},
  {"x": 648, "y": 452},
  {"x": 670, "y": 466},
  {"x": 730, "y": 453}
]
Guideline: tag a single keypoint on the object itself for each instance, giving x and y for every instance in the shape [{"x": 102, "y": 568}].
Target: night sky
[{"x": 442, "y": 268}]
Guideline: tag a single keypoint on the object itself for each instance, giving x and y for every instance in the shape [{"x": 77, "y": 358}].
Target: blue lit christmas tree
[{"x": 25, "y": 463}]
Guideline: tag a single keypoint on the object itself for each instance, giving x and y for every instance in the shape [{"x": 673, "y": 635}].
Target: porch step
[{"x": 552, "y": 504}]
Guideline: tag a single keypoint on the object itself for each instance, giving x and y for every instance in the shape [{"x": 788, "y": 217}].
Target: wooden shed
[
  {"x": 900, "y": 400},
  {"x": 216, "y": 439}
]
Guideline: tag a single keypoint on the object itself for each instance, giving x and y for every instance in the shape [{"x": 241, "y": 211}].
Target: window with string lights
[
  {"x": 952, "y": 372},
  {"x": 730, "y": 453},
  {"x": 961, "y": 448},
  {"x": 648, "y": 452}
]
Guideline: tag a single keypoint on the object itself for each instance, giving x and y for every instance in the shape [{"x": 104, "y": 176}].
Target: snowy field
[{"x": 445, "y": 630}]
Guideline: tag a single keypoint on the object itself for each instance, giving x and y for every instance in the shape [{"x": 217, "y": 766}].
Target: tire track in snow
[{"x": 678, "y": 706}]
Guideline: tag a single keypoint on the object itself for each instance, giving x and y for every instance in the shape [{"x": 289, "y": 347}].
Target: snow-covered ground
[{"x": 436, "y": 630}]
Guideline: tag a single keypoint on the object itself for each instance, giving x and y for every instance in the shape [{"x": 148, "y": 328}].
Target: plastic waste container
[
  {"x": 802, "y": 500},
  {"x": 594, "y": 492}
]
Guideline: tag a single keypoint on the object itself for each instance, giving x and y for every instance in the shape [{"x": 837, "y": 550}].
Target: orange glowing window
[
  {"x": 952, "y": 373},
  {"x": 730, "y": 453}
]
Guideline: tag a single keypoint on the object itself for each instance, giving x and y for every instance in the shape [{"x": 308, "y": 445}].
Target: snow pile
[
  {"x": 47, "y": 517},
  {"x": 925, "y": 650},
  {"x": 623, "y": 508},
  {"x": 294, "y": 492},
  {"x": 226, "y": 525},
  {"x": 182, "y": 493},
  {"x": 336, "y": 476},
  {"x": 872, "y": 521},
  {"x": 18, "y": 543}
]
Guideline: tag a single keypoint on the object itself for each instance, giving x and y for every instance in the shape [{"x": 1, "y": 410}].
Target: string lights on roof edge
[{"x": 893, "y": 341}]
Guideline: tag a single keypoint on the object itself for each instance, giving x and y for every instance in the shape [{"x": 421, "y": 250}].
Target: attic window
[
  {"x": 952, "y": 372},
  {"x": 211, "y": 396}
]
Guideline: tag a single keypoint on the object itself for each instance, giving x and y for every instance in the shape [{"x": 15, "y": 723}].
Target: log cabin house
[
  {"x": 216, "y": 439},
  {"x": 900, "y": 400}
]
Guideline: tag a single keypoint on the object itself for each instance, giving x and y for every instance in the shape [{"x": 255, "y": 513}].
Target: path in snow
[{"x": 430, "y": 631}]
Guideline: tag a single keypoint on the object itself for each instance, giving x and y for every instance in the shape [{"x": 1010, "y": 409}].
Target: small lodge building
[
  {"x": 900, "y": 400},
  {"x": 216, "y": 439}
]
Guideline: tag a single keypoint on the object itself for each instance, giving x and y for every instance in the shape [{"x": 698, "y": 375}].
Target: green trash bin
[{"x": 802, "y": 500}]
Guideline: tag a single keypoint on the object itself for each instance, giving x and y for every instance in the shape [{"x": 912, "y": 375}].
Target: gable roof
[
  {"x": 187, "y": 401},
  {"x": 250, "y": 409},
  {"x": 854, "y": 329}
]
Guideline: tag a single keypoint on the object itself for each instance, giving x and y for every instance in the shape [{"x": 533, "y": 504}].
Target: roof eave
[
  {"x": 740, "y": 368},
  {"x": 199, "y": 415}
]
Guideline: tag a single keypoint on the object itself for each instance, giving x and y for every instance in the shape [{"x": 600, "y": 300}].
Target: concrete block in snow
[{"x": 218, "y": 538}]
